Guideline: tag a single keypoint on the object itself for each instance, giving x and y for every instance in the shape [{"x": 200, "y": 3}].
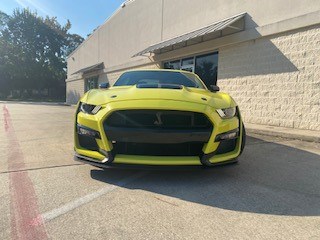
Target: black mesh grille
[
  {"x": 149, "y": 149},
  {"x": 158, "y": 119},
  {"x": 226, "y": 146},
  {"x": 88, "y": 143},
  {"x": 164, "y": 127}
]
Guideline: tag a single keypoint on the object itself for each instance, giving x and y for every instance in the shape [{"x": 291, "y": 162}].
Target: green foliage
[
  {"x": 4, "y": 18},
  {"x": 33, "y": 53}
]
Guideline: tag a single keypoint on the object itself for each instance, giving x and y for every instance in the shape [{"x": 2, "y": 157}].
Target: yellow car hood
[{"x": 130, "y": 93}]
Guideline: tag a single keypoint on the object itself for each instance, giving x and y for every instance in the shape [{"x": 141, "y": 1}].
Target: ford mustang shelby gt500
[{"x": 158, "y": 117}]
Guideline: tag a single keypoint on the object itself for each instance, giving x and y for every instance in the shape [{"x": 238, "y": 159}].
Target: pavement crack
[{"x": 162, "y": 200}]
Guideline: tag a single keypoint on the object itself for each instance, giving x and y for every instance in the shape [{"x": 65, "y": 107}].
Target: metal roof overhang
[
  {"x": 90, "y": 69},
  {"x": 218, "y": 29}
]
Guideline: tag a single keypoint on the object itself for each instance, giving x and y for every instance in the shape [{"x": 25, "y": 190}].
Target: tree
[
  {"x": 4, "y": 77},
  {"x": 4, "y": 18},
  {"x": 33, "y": 53}
]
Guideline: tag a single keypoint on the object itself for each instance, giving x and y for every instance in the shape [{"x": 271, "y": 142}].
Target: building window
[
  {"x": 206, "y": 66},
  {"x": 91, "y": 83},
  {"x": 172, "y": 65},
  {"x": 187, "y": 64}
]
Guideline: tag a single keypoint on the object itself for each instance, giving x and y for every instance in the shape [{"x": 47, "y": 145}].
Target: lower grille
[
  {"x": 88, "y": 143},
  {"x": 226, "y": 146},
  {"x": 150, "y": 149}
]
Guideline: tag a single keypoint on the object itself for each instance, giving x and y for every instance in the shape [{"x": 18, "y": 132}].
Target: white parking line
[{"x": 48, "y": 216}]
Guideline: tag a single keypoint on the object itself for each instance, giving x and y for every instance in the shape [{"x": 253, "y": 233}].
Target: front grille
[
  {"x": 151, "y": 149},
  {"x": 158, "y": 132},
  {"x": 158, "y": 119}
]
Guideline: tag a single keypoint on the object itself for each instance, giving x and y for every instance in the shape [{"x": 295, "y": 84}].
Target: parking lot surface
[{"x": 273, "y": 193}]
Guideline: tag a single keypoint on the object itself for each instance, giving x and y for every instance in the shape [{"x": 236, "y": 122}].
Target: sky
[{"x": 85, "y": 15}]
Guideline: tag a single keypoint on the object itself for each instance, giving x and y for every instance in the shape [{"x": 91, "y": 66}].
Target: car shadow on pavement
[{"x": 271, "y": 178}]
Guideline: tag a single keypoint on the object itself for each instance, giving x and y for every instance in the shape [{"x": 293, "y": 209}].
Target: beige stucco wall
[
  {"x": 275, "y": 80},
  {"x": 131, "y": 29},
  {"x": 181, "y": 16}
]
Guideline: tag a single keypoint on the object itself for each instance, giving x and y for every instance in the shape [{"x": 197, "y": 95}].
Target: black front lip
[
  {"x": 143, "y": 135},
  {"x": 109, "y": 164},
  {"x": 106, "y": 165}
]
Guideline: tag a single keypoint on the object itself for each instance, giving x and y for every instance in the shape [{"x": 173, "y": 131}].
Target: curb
[
  {"x": 282, "y": 134},
  {"x": 37, "y": 103}
]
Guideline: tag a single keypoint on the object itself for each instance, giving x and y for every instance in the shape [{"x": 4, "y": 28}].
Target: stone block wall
[{"x": 276, "y": 79}]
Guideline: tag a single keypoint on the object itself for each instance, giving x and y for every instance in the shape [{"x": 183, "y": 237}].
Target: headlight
[
  {"x": 89, "y": 109},
  {"x": 227, "y": 112}
]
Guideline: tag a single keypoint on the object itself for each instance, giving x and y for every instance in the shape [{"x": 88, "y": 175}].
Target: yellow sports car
[{"x": 157, "y": 117}]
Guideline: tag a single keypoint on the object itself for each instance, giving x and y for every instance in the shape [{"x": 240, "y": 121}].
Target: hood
[{"x": 185, "y": 94}]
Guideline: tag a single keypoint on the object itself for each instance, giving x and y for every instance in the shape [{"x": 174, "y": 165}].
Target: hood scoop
[{"x": 165, "y": 86}]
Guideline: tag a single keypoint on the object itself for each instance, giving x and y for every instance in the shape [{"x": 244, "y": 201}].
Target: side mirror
[
  {"x": 104, "y": 85},
  {"x": 214, "y": 88}
]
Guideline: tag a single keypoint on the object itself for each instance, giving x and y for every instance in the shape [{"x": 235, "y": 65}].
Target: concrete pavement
[{"x": 273, "y": 193}]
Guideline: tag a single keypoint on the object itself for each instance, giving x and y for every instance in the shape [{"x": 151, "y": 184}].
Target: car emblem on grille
[{"x": 158, "y": 122}]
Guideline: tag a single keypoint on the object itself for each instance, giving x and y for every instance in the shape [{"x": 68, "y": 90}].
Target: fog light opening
[
  {"x": 228, "y": 135},
  {"x": 88, "y": 132}
]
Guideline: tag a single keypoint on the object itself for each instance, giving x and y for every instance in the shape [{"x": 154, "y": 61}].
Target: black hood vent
[{"x": 166, "y": 86}]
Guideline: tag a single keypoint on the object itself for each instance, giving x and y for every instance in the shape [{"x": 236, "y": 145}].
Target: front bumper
[{"x": 103, "y": 156}]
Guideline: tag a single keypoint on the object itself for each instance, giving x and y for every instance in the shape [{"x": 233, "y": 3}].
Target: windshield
[{"x": 159, "y": 77}]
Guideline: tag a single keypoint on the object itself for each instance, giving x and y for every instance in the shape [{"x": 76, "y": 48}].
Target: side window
[{"x": 91, "y": 83}]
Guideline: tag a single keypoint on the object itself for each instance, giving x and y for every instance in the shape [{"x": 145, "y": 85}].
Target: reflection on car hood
[{"x": 130, "y": 93}]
